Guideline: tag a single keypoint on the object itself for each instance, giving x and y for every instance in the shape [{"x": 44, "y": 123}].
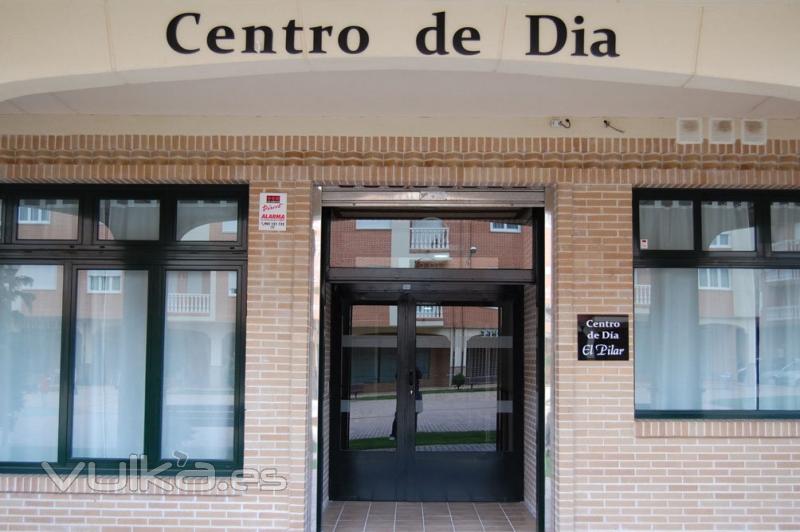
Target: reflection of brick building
[
  {"x": 450, "y": 340},
  {"x": 431, "y": 243}
]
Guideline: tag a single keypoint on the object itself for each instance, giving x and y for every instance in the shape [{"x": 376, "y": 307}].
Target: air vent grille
[{"x": 689, "y": 131}]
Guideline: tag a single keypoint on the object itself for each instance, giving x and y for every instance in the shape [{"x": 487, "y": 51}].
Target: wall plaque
[{"x": 602, "y": 337}]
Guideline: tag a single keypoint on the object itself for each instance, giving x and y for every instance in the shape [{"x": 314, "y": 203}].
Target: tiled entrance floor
[{"x": 426, "y": 517}]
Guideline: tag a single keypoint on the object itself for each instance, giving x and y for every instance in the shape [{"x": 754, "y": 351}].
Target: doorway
[
  {"x": 432, "y": 352},
  {"x": 426, "y": 382}
]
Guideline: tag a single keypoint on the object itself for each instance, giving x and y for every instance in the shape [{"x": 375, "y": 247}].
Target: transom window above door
[{"x": 432, "y": 240}]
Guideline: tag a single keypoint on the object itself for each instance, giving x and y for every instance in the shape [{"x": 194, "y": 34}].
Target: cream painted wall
[{"x": 737, "y": 46}]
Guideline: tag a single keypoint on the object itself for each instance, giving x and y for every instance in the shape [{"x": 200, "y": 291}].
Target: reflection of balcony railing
[
  {"x": 782, "y": 313},
  {"x": 781, "y": 275},
  {"x": 786, "y": 245},
  {"x": 179, "y": 303},
  {"x": 642, "y": 294},
  {"x": 430, "y": 238},
  {"x": 429, "y": 312}
]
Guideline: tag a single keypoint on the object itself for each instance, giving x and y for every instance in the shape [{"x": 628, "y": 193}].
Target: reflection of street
[{"x": 442, "y": 412}]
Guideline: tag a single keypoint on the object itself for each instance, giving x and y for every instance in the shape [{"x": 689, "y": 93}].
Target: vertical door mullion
[
  {"x": 71, "y": 295},
  {"x": 66, "y": 368},
  {"x": 154, "y": 362},
  {"x": 405, "y": 401}
]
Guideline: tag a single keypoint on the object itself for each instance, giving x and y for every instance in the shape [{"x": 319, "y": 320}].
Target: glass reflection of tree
[{"x": 12, "y": 289}]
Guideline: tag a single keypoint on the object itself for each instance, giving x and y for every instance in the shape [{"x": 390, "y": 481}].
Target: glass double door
[{"x": 426, "y": 390}]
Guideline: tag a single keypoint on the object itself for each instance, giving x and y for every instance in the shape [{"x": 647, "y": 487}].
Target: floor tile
[{"x": 437, "y": 517}]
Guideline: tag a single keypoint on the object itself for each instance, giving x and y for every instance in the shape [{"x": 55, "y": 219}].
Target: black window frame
[
  {"x": 761, "y": 258},
  {"x": 157, "y": 257}
]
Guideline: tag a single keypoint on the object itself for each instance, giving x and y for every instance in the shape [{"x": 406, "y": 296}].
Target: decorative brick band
[
  {"x": 404, "y": 152},
  {"x": 717, "y": 429}
]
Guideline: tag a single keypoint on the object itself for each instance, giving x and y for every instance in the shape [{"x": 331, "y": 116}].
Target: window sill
[{"x": 717, "y": 428}]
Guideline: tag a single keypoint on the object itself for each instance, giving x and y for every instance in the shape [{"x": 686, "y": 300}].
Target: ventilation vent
[
  {"x": 754, "y": 132},
  {"x": 720, "y": 131},
  {"x": 690, "y": 131}
]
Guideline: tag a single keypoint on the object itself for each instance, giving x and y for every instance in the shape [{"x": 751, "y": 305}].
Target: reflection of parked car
[{"x": 787, "y": 375}]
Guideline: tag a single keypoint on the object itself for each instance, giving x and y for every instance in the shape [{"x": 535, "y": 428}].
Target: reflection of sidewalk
[{"x": 442, "y": 412}]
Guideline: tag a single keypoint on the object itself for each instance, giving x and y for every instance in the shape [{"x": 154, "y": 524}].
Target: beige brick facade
[{"x": 612, "y": 472}]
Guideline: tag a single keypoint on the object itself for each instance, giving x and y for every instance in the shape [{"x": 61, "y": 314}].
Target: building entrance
[
  {"x": 433, "y": 345},
  {"x": 427, "y": 392}
]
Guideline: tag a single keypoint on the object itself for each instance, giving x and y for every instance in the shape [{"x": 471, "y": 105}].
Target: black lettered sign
[{"x": 602, "y": 337}]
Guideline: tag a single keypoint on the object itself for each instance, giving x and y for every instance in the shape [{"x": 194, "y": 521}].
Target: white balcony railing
[
  {"x": 430, "y": 238},
  {"x": 642, "y": 294},
  {"x": 781, "y": 313},
  {"x": 429, "y": 312},
  {"x": 179, "y": 303}
]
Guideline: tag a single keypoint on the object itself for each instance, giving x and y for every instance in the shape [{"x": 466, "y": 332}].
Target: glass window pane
[
  {"x": 728, "y": 226},
  {"x": 696, "y": 338},
  {"x": 110, "y": 349},
  {"x": 464, "y": 368},
  {"x": 47, "y": 219},
  {"x": 369, "y": 379},
  {"x": 785, "y": 223},
  {"x": 666, "y": 224},
  {"x": 30, "y": 361},
  {"x": 779, "y": 350},
  {"x": 199, "y": 356},
  {"x": 207, "y": 220},
  {"x": 430, "y": 243},
  {"x": 129, "y": 219}
]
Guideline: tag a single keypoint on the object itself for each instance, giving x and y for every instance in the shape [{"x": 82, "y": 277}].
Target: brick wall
[{"x": 612, "y": 471}]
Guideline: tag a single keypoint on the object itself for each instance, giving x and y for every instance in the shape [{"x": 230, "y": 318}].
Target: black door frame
[{"x": 433, "y": 475}]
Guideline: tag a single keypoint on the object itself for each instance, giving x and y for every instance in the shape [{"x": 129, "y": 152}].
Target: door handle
[{"x": 411, "y": 383}]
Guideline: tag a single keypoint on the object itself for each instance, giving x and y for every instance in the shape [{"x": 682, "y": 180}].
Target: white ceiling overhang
[{"x": 736, "y": 46}]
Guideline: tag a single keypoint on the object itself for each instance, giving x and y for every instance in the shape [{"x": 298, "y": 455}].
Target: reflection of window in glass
[
  {"x": 728, "y": 226},
  {"x": 714, "y": 279},
  {"x": 721, "y": 241},
  {"x": 496, "y": 227},
  {"x": 29, "y": 214},
  {"x": 104, "y": 282},
  {"x": 373, "y": 224},
  {"x": 47, "y": 219}
]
